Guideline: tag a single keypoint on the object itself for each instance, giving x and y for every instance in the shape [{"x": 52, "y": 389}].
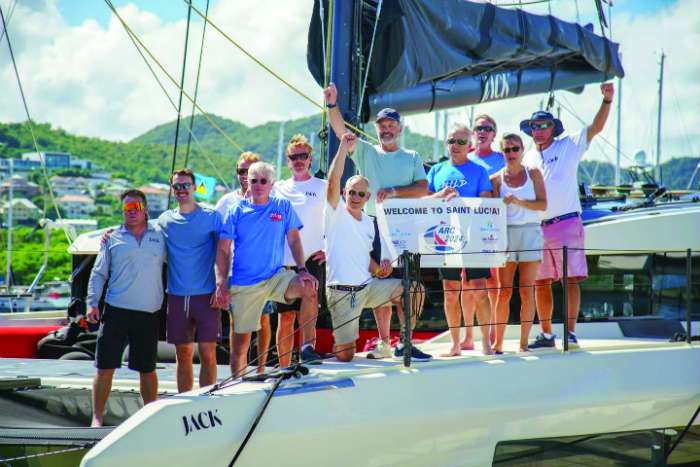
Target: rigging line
[
  {"x": 196, "y": 86},
  {"x": 172, "y": 102},
  {"x": 369, "y": 59},
  {"x": 31, "y": 126},
  {"x": 684, "y": 129},
  {"x": 9, "y": 18},
  {"x": 272, "y": 72},
  {"x": 521, "y": 3},
  {"x": 179, "y": 104},
  {"x": 172, "y": 80}
]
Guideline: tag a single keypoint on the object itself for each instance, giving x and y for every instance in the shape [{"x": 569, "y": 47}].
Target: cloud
[{"x": 89, "y": 79}]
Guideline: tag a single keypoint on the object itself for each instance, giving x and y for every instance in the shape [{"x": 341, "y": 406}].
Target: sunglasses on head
[
  {"x": 242, "y": 171},
  {"x": 182, "y": 186},
  {"x": 540, "y": 126},
  {"x": 361, "y": 194},
  {"x": 133, "y": 206},
  {"x": 484, "y": 128},
  {"x": 302, "y": 156},
  {"x": 511, "y": 149},
  {"x": 461, "y": 142},
  {"x": 255, "y": 181}
]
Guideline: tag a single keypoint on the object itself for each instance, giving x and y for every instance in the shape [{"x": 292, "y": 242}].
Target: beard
[{"x": 389, "y": 140}]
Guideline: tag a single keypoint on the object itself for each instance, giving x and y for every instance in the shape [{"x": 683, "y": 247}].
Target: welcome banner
[{"x": 462, "y": 232}]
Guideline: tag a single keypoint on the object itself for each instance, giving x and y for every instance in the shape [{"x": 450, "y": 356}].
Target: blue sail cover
[{"x": 432, "y": 54}]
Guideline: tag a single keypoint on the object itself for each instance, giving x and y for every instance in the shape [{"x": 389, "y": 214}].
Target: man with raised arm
[
  {"x": 392, "y": 172},
  {"x": 258, "y": 226},
  {"x": 349, "y": 236},
  {"x": 130, "y": 264},
  {"x": 558, "y": 160},
  {"x": 308, "y": 196},
  {"x": 191, "y": 232}
]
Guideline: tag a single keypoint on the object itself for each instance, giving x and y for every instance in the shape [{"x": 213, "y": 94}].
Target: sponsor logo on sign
[
  {"x": 491, "y": 238},
  {"x": 201, "y": 421},
  {"x": 489, "y": 227},
  {"x": 444, "y": 238}
]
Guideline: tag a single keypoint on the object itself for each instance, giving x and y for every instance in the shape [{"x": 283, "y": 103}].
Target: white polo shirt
[{"x": 559, "y": 166}]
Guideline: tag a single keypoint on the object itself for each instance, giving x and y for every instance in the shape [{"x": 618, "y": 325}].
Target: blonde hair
[
  {"x": 248, "y": 156},
  {"x": 262, "y": 168},
  {"x": 489, "y": 119},
  {"x": 511, "y": 137},
  {"x": 299, "y": 140}
]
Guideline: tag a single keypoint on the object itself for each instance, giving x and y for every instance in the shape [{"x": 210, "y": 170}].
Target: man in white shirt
[
  {"x": 307, "y": 195},
  {"x": 350, "y": 269},
  {"x": 558, "y": 161}
]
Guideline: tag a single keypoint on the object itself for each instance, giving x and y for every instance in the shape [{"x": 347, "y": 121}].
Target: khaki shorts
[
  {"x": 248, "y": 301},
  {"x": 525, "y": 243},
  {"x": 345, "y": 316}
]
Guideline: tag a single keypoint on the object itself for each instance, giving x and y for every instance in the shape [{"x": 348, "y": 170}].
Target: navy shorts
[
  {"x": 120, "y": 327},
  {"x": 455, "y": 274},
  {"x": 191, "y": 318}
]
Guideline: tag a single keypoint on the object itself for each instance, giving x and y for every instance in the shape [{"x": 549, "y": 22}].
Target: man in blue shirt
[
  {"x": 459, "y": 176},
  {"x": 258, "y": 225},
  {"x": 191, "y": 233}
]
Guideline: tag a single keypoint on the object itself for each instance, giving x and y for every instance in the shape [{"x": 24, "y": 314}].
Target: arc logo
[
  {"x": 201, "y": 421},
  {"x": 444, "y": 238}
]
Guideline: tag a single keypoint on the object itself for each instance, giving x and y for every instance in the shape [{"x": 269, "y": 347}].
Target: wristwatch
[{"x": 330, "y": 106}]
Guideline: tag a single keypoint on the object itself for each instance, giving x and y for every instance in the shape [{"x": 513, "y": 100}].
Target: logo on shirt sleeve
[{"x": 276, "y": 216}]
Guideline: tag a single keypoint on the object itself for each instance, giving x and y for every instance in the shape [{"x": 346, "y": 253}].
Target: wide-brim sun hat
[{"x": 542, "y": 115}]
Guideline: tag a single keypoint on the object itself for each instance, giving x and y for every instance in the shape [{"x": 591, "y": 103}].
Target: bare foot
[
  {"x": 492, "y": 335},
  {"x": 464, "y": 345},
  {"x": 486, "y": 348},
  {"x": 455, "y": 351},
  {"x": 523, "y": 349}
]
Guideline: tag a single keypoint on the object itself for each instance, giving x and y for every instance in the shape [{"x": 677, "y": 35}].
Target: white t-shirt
[
  {"x": 307, "y": 198},
  {"x": 559, "y": 166},
  {"x": 348, "y": 245},
  {"x": 226, "y": 201}
]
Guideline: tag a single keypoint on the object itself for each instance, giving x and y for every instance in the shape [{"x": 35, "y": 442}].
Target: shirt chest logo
[
  {"x": 455, "y": 183},
  {"x": 276, "y": 217}
]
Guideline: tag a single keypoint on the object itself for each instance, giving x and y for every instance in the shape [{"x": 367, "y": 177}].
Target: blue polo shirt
[
  {"x": 259, "y": 233},
  {"x": 469, "y": 179},
  {"x": 191, "y": 239}
]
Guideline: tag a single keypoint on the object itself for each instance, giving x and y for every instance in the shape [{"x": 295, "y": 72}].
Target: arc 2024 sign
[{"x": 462, "y": 232}]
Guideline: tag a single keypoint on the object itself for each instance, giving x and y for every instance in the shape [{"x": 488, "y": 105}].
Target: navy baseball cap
[
  {"x": 542, "y": 115},
  {"x": 388, "y": 113}
]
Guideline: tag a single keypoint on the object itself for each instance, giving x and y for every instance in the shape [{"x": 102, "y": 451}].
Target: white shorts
[{"x": 525, "y": 243}]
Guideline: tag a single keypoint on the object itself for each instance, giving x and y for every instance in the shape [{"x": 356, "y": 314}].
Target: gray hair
[
  {"x": 262, "y": 168},
  {"x": 357, "y": 177},
  {"x": 461, "y": 127}
]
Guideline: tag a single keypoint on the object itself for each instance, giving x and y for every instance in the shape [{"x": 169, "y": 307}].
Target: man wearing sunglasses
[
  {"x": 558, "y": 160},
  {"x": 307, "y": 195},
  {"x": 459, "y": 176},
  {"x": 264, "y": 335},
  {"x": 258, "y": 226},
  {"x": 191, "y": 232},
  {"x": 130, "y": 264},
  {"x": 393, "y": 172}
]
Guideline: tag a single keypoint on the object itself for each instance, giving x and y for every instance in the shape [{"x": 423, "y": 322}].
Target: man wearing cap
[
  {"x": 558, "y": 161},
  {"x": 393, "y": 172},
  {"x": 130, "y": 264}
]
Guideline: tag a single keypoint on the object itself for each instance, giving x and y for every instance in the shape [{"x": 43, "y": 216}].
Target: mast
[
  {"x": 436, "y": 138},
  {"x": 280, "y": 150},
  {"x": 619, "y": 132},
  {"x": 659, "y": 175}
]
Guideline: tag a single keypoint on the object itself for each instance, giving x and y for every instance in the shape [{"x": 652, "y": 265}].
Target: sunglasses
[
  {"x": 511, "y": 149},
  {"x": 484, "y": 128},
  {"x": 182, "y": 186},
  {"x": 255, "y": 181},
  {"x": 134, "y": 206},
  {"x": 540, "y": 126},
  {"x": 302, "y": 156},
  {"x": 242, "y": 171},
  {"x": 361, "y": 194},
  {"x": 461, "y": 142}
]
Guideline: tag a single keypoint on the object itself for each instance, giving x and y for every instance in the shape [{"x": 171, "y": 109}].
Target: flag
[{"x": 205, "y": 187}]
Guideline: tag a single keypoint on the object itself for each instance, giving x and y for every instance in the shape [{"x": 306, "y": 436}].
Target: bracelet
[
  {"x": 302, "y": 269},
  {"x": 330, "y": 106},
  {"x": 605, "y": 101}
]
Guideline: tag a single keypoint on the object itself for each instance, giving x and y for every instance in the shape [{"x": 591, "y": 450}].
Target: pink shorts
[{"x": 569, "y": 233}]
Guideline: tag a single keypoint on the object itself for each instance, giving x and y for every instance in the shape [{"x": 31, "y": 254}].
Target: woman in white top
[{"x": 523, "y": 192}]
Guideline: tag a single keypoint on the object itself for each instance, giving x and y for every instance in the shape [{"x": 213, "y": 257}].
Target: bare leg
[
  {"x": 573, "y": 301},
  {"x": 468, "y": 307},
  {"x": 492, "y": 284},
  {"x": 483, "y": 312},
  {"x": 239, "y": 353},
  {"x": 149, "y": 386},
  {"x": 382, "y": 316},
  {"x": 183, "y": 365},
  {"x": 101, "y": 386},
  {"x": 452, "y": 314},
  {"x": 264, "y": 337},
  {"x": 505, "y": 278},
  {"x": 285, "y": 337},
  {"x": 544, "y": 300},
  {"x": 207, "y": 363},
  {"x": 344, "y": 352},
  {"x": 307, "y": 320},
  {"x": 528, "y": 273}
]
